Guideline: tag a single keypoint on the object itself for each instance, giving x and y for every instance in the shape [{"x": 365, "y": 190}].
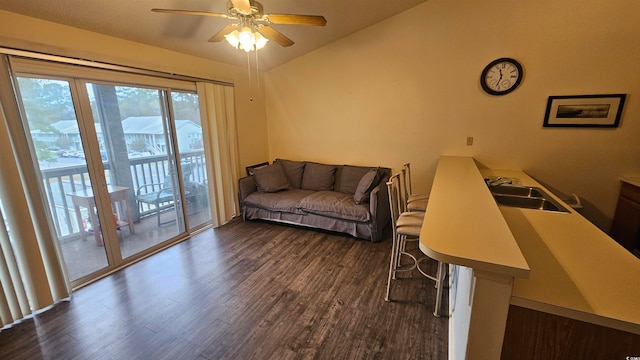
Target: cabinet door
[{"x": 626, "y": 223}]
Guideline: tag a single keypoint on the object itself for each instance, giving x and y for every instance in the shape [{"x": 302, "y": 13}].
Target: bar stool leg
[
  {"x": 439, "y": 286},
  {"x": 392, "y": 265}
]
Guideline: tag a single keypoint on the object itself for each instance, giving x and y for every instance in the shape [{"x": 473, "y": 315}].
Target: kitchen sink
[
  {"x": 527, "y": 191},
  {"x": 529, "y": 203},
  {"x": 527, "y": 197}
]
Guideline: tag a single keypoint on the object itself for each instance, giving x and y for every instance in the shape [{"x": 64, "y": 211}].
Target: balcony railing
[{"x": 60, "y": 181}]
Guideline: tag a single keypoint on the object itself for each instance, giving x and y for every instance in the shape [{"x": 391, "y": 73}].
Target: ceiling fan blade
[
  {"x": 243, "y": 6},
  {"x": 273, "y": 34},
  {"x": 219, "y": 36},
  {"x": 190, "y": 12},
  {"x": 311, "y": 20}
]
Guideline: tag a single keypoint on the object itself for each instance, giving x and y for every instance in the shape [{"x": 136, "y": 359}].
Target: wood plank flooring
[{"x": 247, "y": 290}]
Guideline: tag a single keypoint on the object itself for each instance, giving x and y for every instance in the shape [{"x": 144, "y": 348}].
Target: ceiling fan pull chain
[
  {"x": 249, "y": 71},
  {"x": 257, "y": 70}
]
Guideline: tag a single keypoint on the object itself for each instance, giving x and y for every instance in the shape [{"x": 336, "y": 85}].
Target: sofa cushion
[
  {"x": 293, "y": 170},
  {"x": 335, "y": 204},
  {"x": 286, "y": 201},
  {"x": 350, "y": 178},
  {"x": 318, "y": 177},
  {"x": 366, "y": 184},
  {"x": 271, "y": 178}
]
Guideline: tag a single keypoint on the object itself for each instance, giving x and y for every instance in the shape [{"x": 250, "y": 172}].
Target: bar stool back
[{"x": 414, "y": 202}]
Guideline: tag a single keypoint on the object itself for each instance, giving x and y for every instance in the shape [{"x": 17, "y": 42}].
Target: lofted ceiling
[{"x": 133, "y": 20}]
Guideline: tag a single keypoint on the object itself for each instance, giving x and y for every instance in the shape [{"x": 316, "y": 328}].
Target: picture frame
[
  {"x": 586, "y": 111},
  {"x": 250, "y": 168}
]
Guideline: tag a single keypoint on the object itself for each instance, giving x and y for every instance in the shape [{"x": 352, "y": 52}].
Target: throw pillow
[
  {"x": 351, "y": 176},
  {"x": 366, "y": 184},
  {"x": 318, "y": 177},
  {"x": 293, "y": 170},
  {"x": 271, "y": 178}
]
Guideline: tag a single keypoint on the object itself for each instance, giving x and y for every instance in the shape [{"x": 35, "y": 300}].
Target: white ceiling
[{"x": 133, "y": 20}]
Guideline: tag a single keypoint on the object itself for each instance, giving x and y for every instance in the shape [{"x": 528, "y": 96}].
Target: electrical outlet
[{"x": 469, "y": 140}]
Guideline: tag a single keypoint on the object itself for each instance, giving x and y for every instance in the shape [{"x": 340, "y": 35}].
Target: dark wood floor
[{"x": 247, "y": 290}]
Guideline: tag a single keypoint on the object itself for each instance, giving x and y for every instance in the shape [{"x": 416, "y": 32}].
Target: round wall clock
[{"x": 501, "y": 76}]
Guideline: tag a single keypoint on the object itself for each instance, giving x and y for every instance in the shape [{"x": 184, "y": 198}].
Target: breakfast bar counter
[
  {"x": 507, "y": 259},
  {"x": 464, "y": 226}
]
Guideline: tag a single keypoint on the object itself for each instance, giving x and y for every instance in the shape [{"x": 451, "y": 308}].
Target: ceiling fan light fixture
[
  {"x": 245, "y": 35},
  {"x": 233, "y": 38},
  {"x": 261, "y": 41},
  {"x": 246, "y": 39}
]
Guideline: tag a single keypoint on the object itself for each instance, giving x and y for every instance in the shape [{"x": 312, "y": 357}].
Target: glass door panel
[
  {"x": 134, "y": 135},
  {"x": 192, "y": 161},
  {"x": 60, "y": 156},
  {"x": 119, "y": 176}
]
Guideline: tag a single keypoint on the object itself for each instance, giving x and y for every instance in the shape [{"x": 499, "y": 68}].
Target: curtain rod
[{"x": 103, "y": 65}]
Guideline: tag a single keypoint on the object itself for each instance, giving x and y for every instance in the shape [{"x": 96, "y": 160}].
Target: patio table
[{"x": 85, "y": 198}]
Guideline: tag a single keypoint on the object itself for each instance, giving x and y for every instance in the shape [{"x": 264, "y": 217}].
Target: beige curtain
[
  {"x": 221, "y": 148},
  {"x": 31, "y": 273}
]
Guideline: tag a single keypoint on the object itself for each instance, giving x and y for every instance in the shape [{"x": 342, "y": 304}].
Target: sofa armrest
[
  {"x": 379, "y": 207},
  {"x": 246, "y": 186}
]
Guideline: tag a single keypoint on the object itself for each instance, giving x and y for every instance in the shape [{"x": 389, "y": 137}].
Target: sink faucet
[{"x": 498, "y": 181}]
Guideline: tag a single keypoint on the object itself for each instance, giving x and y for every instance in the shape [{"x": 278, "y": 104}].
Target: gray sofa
[{"x": 342, "y": 198}]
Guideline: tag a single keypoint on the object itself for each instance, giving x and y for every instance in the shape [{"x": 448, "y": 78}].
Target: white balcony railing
[{"x": 60, "y": 181}]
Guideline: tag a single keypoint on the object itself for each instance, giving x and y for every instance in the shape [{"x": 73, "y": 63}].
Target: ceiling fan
[{"x": 253, "y": 30}]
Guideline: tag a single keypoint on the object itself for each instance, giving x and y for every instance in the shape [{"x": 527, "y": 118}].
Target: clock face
[{"x": 501, "y": 76}]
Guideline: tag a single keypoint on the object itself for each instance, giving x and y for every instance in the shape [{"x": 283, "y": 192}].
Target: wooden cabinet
[
  {"x": 625, "y": 228},
  {"x": 532, "y": 335}
]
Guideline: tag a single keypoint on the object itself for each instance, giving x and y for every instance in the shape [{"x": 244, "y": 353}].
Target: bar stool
[
  {"x": 414, "y": 202},
  {"x": 406, "y": 227}
]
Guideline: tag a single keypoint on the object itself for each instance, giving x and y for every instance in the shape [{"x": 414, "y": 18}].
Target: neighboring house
[
  {"x": 148, "y": 128},
  {"x": 64, "y": 129}
]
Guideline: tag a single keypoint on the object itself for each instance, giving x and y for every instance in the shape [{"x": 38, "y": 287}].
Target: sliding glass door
[
  {"x": 190, "y": 145},
  {"x": 59, "y": 153},
  {"x": 122, "y": 165},
  {"x": 135, "y": 140}
]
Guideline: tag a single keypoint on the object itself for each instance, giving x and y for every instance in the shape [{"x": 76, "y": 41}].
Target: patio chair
[{"x": 160, "y": 193}]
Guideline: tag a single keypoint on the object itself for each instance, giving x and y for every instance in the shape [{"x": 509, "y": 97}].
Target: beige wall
[
  {"x": 21, "y": 32},
  {"x": 407, "y": 90}
]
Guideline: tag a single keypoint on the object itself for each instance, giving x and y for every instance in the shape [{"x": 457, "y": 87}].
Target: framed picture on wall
[{"x": 593, "y": 111}]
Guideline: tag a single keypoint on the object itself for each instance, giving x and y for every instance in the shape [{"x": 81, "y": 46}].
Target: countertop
[
  {"x": 464, "y": 226},
  {"x": 577, "y": 271},
  {"x": 561, "y": 263},
  {"x": 633, "y": 180}
]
